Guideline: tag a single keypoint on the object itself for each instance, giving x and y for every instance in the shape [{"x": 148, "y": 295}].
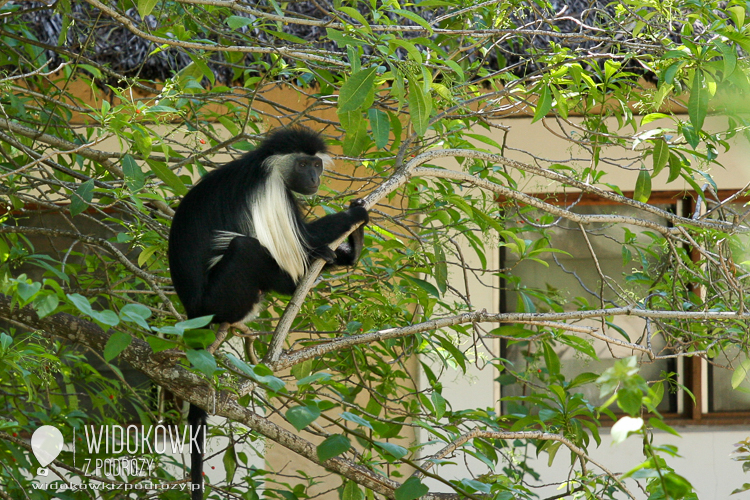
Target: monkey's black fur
[{"x": 219, "y": 265}]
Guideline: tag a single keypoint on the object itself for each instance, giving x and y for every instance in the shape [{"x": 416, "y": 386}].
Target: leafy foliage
[{"x": 97, "y": 146}]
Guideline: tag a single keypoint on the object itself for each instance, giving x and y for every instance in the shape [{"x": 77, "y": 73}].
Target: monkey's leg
[{"x": 237, "y": 282}]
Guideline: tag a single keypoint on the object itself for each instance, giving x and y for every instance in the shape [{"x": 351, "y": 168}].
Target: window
[{"x": 574, "y": 278}]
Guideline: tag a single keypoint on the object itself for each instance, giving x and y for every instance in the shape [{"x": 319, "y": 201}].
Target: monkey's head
[
  {"x": 302, "y": 173},
  {"x": 299, "y": 155}
]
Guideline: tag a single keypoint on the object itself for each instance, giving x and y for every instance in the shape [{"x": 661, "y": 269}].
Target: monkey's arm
[{"x": 324, "y": 231}]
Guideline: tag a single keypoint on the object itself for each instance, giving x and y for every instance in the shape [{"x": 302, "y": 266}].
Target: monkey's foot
[
  {"x": 221, "y": 334},
  {"x": 244, "y": 331}
]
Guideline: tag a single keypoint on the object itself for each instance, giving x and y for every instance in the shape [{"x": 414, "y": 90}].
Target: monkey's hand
[
  {"x": 324, "y": 253},
  {"x": 358, "y": 211}
]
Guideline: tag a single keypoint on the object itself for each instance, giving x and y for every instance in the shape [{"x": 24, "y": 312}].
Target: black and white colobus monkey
[{"x": 239, "y": 233}]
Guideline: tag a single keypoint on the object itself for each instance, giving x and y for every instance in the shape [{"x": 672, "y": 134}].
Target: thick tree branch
[{"x": 295, "y": 357}]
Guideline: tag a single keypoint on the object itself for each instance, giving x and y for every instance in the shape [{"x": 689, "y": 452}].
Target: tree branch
[{"x": 295, "y": 357}]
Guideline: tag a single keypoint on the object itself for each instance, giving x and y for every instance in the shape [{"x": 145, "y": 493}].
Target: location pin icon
[{"x": 46, "y": 443}]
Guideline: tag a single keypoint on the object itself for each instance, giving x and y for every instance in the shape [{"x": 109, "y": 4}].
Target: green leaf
[
  {"x": 199, "y": 338},
  {"x": 413, "y": 17},
  {"x": 410, "y": 49},
  {"x": 198, "y": 322},
  {"x": 204, "y": 68},
  {"x": 344, "y": 39},
  {"x": 357, "y": 90},
  {"x": 551, "y": 359},
  {"x": 26, "y": 291},
  {"x": 420, "y": 107},
  {"x": 740, "y": 373},
  {"x": 236, "y": 22},
  {"x": 380, "y": 125},
  {"x": 512, "y": 331},
  {"x": 146, "y": 254},
  {"x": 642, "y": 186},
  {"x": 333, "y": 446},
  {"x": 4, "y": 251},
  {"x": 652, "y": 117},
  {"x": 356, "y": 15},
  {"x": 737, "y": 13},
  {"x": 134, "y": 176},
  {"x": 136, "y": 313},
  {"x": 424, "y": 285},
  {"x": 169, "y": 178},
  {"x": 580, "y": 345},
  {"x": 81, "y": 303},
  {"x": 116, "y": 343},
  {"x": 698, "y": 102},
  {"x": 411, "y": 489},
  {"x": 159, "y": 344},
  {"x": 439, "y": 403},
  {"x": 46, "y": 305},
  {"x": 356, "y": 139},
  {"x": 230, "y": 462},
  {"x": 260, "y": 373},
  {"x": 544, "y": 104},
  {"x": 561, "y": 102},
  {"x": 145, "y": 7},
  {"x": 351, "y": 417},
  {"x": 441, "y": 269},
  {"x": 80, "y": 200},
  {"x": 203, "y": 360},
  {"x": 661, "y": 155},
  {"x": 302, "y": 370},
  {"x": 629, "y": 400},
  {"x": 659, "y": 424},
  {"x": 190, "y": 74},
  {"x": 302, "y": 416},
  {"x": 582, "y": 379},
  {"x": 352, "y": 492},
  {"x": 454, "y": 66},
  {"x": 5, "y": 341},
  {"x": 675, "y": 167},
  {"x": 315, "y": 377},
  {"x": 394, "y": 450},
  {"x": 728, "y": 56},
  {"x": 480, "y": 486}
]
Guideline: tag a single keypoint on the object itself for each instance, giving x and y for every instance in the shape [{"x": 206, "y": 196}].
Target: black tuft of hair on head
[{"x": 292, "y": 140}]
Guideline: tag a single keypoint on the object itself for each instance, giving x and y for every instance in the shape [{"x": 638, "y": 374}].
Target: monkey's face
[{"x": 303, "y": 175}]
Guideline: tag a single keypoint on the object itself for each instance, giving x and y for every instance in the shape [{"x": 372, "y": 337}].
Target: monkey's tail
[{"x": 197, "y": 420}]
